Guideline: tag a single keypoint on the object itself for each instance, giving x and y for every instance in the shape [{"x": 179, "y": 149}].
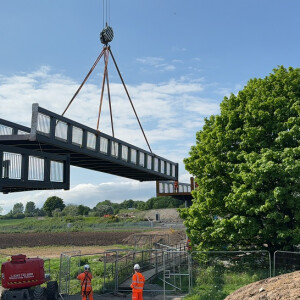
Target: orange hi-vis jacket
[
  {"x": 138, "y": 281},
  {"x": 86, "y": 284}
]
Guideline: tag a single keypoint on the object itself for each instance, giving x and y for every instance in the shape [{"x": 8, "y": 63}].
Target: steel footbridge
[{"x": 40, "y": 157}]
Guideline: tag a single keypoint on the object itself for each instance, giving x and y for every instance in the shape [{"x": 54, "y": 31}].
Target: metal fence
[
  {"x": 68, "y": 269},
  {"x": 172, "y": 271},
  {"x": 285, "y": 262},
  {"x": 220, "y": 272},
  {"x": 112, "y": 270},
  {"x": 176, "y": 275}
]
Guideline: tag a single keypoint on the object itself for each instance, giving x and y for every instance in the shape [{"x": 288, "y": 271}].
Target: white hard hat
[
  {"x": 86, "y": 267},
  {"x": 136, "y": 267}
]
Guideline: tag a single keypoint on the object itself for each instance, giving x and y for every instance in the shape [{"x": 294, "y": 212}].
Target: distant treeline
[{"x": 55, "y": 207}]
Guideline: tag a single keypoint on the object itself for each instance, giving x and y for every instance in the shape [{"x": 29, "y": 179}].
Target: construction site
[{"x": 41, "y": 157}]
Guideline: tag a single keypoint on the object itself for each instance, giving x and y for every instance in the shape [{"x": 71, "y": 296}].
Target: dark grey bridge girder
[
  {"x": 27, "y": 170},
  {"x": 86, "y": 147}
]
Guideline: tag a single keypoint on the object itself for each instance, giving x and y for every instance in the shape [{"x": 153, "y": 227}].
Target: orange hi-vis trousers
[
  {"x": 137, "y": 295},
  {"x": 87, "y": 295}
]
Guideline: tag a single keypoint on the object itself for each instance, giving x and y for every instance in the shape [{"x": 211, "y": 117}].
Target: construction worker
[
  {"x": 86, "y": 283},
  {"x": 188, "y": 245},
  {"x": 138, "y": 281},
  {"x": 176, "y": 186}
]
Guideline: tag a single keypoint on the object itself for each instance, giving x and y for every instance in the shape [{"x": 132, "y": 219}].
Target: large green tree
[
  {"x": 83, "y": 210},
  {"x": 52, "y": 203},
  {"x": 247, "y": 165},
  {"x": 18, "y": 208},
  {"x": 162, "y": 202},
  {"x": 102, "y": 210},
  {"x": 30, "y": 209}
]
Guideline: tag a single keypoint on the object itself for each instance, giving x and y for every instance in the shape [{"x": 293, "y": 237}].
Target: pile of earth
[
  {"x": 283, "y": 287},
  {"x": 167, "y": 215},
  {"x": 166, "y": 237}
]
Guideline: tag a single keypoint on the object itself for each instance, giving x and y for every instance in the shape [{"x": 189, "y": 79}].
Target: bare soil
[
  {"x": 62, "y": 239},
  {"x": 283, "y": 287},
  {"x": 51, "y": 251},
  {"x": 51, "y": 245}
]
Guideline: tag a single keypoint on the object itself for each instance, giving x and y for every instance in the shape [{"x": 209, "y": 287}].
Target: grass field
[{"x": 67, "y": 224}]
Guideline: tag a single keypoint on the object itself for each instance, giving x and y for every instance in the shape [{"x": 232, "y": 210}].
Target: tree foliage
[
  {"x": 126, "y": 204},
  {"x": 102, "y": 210},
  {"x": 162, "y": 202},
  {"x": 52, "y": 203},
  {"x": 247, "y": 165},
  {"x": 18, "y": 208},
  {"x": 30, "y": 209},
  {"x": 70, "y": 210},
  {"x": 83, "y": 210},
  {"x": 57, "y": 213}
]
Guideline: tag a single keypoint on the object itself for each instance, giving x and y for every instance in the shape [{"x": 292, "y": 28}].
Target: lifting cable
[
  {"x": 106, "y": 36},
  {"x": 124, "y": 85},
  {"x": 85, "y": 79},
  {"x": 103, "y": 84},
  {"x": 106, "y": 12},
  {"x": 110, "y": 107}
]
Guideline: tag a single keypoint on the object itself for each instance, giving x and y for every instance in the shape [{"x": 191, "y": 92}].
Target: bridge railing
[
  {"x": 10, "y": 128},
  {"x": 167, "y": 187},
  {"x": 23, "y": 169},
  {"x": 77, "y": 136}
]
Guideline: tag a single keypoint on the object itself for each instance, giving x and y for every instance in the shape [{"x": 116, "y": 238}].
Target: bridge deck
[{"x": 87, "y": 148}]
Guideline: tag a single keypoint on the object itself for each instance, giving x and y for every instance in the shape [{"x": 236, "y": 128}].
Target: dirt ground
[
  {"x": 51, "y": 245},
  {"x": 283, "y": 287},
  {"x": 168, "y": 215},
  {"x": 8, "y": 240}
]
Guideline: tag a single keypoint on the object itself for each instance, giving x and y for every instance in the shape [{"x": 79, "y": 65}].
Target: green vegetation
[
  {"x": 53, "y": 203},
  {"x": 30, "y": 209},
  {"x": 68, "y": 224},
  {"x": 55, "y": 207},
  {"x": 247, "y": 166},
  {"x": 218, "y": 281},
  {"x": 76, "y": 266}
]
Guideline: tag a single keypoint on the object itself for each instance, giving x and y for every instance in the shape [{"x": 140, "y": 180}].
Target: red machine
[{"x": 20, "y": 274}]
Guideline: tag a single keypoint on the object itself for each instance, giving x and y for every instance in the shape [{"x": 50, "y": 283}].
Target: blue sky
[{"x": 178, "y": 59}]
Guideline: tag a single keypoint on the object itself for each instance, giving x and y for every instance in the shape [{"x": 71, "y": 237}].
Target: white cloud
[
  {"x": 157, "y": 62},
  {"x": 158, "y": 105},
  {"x": 202, "y": 106},
  {"x": 177, "y": 61},
  {"x": 150, "y": 60}
]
